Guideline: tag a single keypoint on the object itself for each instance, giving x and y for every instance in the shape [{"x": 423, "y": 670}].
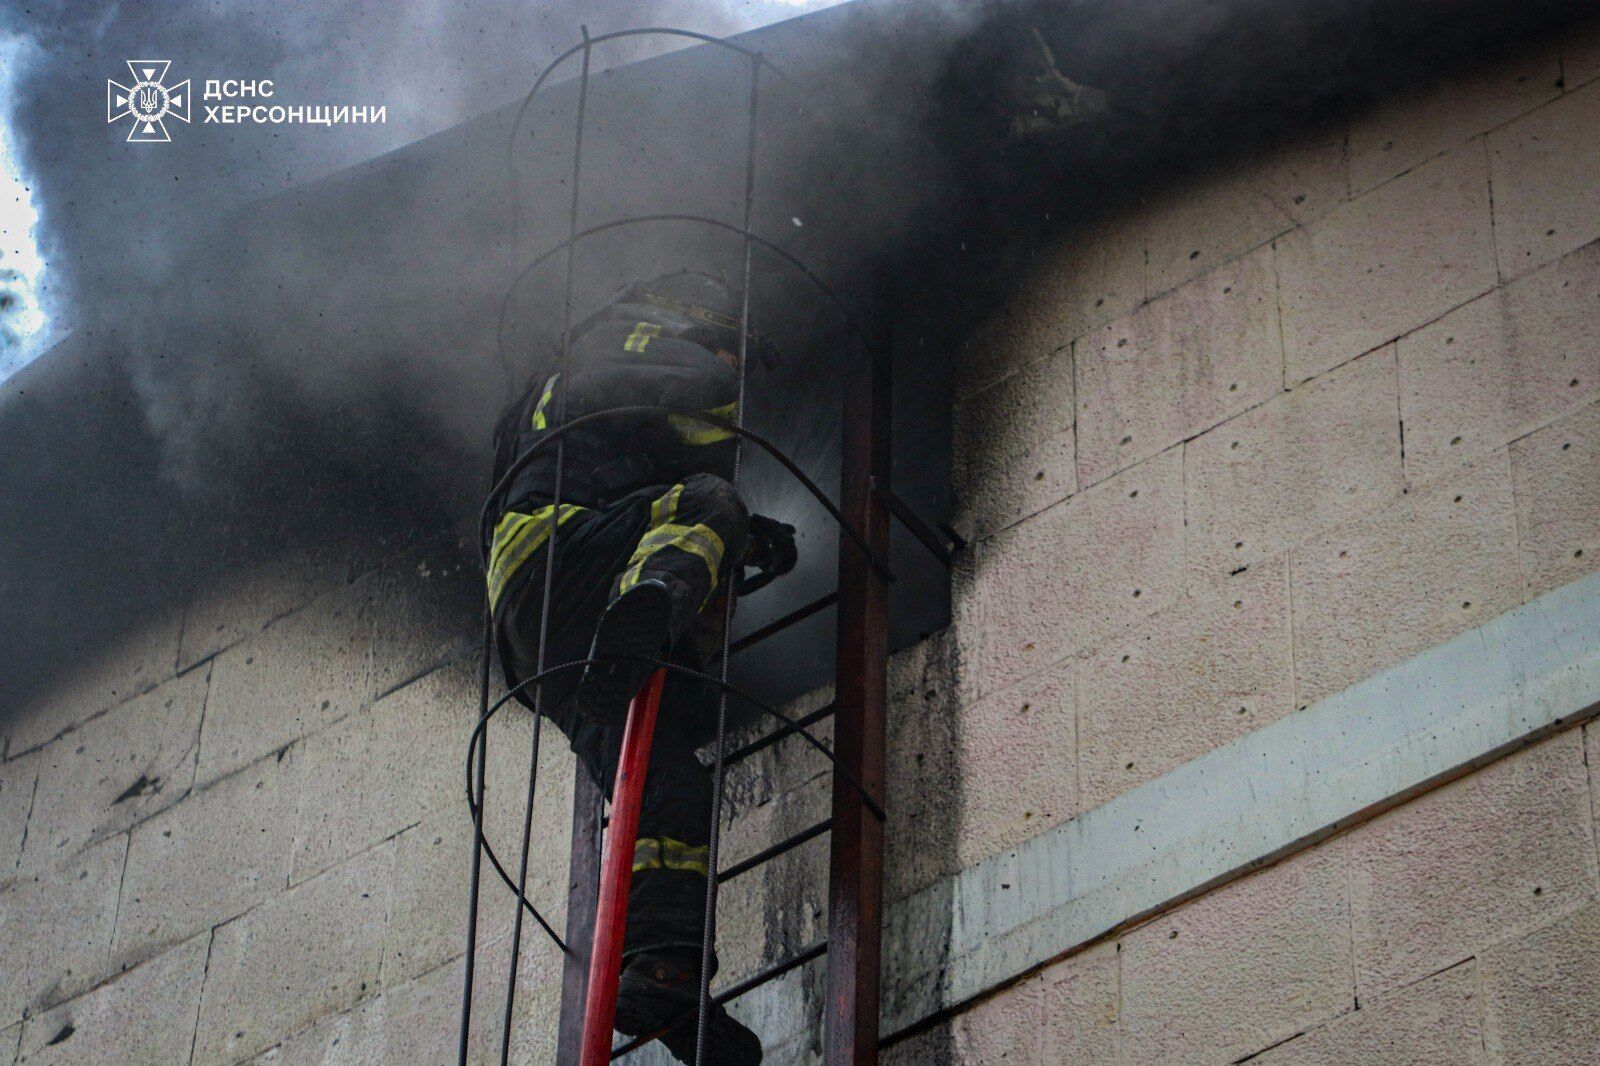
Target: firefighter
[{"x": 649, "y": 535}]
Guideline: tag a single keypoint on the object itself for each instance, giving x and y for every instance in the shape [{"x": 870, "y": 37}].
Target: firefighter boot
[
  {"x": 634, "y": 629},
  {"x": 659, "y": 989}
]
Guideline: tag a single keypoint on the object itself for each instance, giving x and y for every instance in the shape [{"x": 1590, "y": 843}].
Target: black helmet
[{"x": 690, "y": 305}]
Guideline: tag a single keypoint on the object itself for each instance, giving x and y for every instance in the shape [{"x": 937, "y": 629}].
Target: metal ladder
[{"x": 856, "y": 825}]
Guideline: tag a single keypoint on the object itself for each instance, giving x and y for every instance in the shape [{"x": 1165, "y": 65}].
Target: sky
[{"x": 87, "y": 218}]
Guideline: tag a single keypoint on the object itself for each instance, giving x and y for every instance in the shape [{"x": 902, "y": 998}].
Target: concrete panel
[
  {"x": 144, "y": 1017},
  {"x": 1091, "y": 275},
  {"x": 302, "y": 672},
  {"x": 1497, "y": 368},
  {"x": 106, "y": 676},
  {"x": 1514, "y": 679},
  {"x": 924, "y": 768},
  {"x": 1432, "y": 1023},
  {"x": 1540, "y": 991},
  {"x": 1558, "y": 500},
  {"x": 57, "y": 930},
  {"x": 1472, "y": 863},
  {"x": 1389, "y": 585},
  {"x": 116, "y": 770},
  {"x": 428, "y": 898},
  {"x": 213, "y": 856},
  {"x": 428, "y": 611},
  {"x": 1386, "y": 263},
  {"x": 1178, "y": 366},
  {"x": 221, "y": 615},
  {"x": 1196, "y": 226},
  {"x": 9, "y": 1039},
  {"x": 1243, "y": 967},
  {"x": 1002, "y": 1028},
  {"x": 17, "y": 780},
  {"x": 1015, "y": 452},
  {"x": 1546, "y": 202},
  {"x": 1296, "y": 465},
  {"x": 1406, "y": 130},
  {"x": 1207, "y": 670},
  {"x": 416, "y": 1022},
  {"x": 378, "y": 771},
  {"x": 1083, "y": 568},
  {"x": 1082, "y": 1004},
  {"x": 1032, "y": 724},
  {"x": 306, "y": 953}
]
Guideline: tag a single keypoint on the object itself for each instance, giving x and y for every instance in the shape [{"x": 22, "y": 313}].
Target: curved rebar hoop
[
  {"x": 683, "y": 671},
  {"x": 484, "y": 516},
  {"x": 634, "y": 220},
  {"x": 589, "y": 43}
]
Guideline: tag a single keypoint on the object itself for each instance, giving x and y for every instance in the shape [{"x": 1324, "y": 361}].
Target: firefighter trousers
[{"x": 689, "y": 536}]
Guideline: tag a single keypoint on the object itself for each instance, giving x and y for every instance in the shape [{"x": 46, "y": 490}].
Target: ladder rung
[
  {"x": 772, "y": 738},
  {"x": 772, "y": 973},
  {"x": 794, "y": 617},
  {"x": 773, "y": 852},
  {"x": 754, "y": 981}
]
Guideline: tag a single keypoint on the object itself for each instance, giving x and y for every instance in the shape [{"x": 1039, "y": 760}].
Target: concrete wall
[{"x": 1274, "y": 432}]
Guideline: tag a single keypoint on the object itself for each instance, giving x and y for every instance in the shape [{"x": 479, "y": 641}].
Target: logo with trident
[{"x": 148, "y": 102}]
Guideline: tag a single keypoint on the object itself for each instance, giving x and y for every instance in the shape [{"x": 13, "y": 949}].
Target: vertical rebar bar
[
  {"x": 708, "y": 936},
  {"x": 549, "y": 548},
  {"x": 477, "y": 839}
]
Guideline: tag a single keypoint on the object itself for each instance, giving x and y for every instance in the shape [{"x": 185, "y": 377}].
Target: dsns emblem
[{"x": 148, "y": 102}]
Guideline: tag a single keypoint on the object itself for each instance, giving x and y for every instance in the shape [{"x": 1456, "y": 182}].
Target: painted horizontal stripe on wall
[{"x": 1503, "y": 685}]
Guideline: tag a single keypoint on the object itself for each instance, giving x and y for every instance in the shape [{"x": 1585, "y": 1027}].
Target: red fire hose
[{"x": 616, "y": 873}]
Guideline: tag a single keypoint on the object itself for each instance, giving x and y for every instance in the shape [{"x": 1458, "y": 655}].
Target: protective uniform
[{"x": 649, "y": 533}]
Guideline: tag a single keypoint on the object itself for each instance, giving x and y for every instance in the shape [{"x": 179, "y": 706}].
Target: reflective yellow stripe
[
  {"x": 665, "y": 853},
  {"x": 516, "y": 537},
  {"x": 642, "y": 332},
  {"x": 694, "y": 432},
  {"x": 666, "y": 508},
  {"x": 700, "y": 540},
  {"x": 539, "y": 421}
]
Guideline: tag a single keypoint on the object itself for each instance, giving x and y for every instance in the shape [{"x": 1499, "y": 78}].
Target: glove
[{"x": 770, "y": 547}]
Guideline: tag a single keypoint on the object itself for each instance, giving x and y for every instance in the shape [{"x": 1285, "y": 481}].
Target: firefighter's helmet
[{"x": 690, "y": 305}]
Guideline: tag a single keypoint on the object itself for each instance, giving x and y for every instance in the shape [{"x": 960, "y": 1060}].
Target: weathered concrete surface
[
  {"x": 17, "y": 780},
  {"x": 1213, "y": 667},
  {"x": 221, "y": 615},
  {"x": 1540, "y": 993},
  {"x": 58, "y": 930},
  {"x": 1386, "y": 586},
  {"x": 1433, "y": 879},
  {"x": 1514, "y": 678},
  {"x": 1096, "y": 275},
  {"x": 1386, "y": 263},
  {"x": 116, "y": 770},
  {"x": 1301, "y": 462},
  {"x": 294, "y": 677},
  {"x": 1545, "y": 199},
  {"x": 214, "y": 856},
  {"x": 308, "y": 952},
  {"x": 1501, "y": 366},
  {"x": 1178, "y": 366},
  {"x": 144, "y": 1017},
  {"x": 1407, "y": 130},
  {"x": 1083, "y": 568},
  {"x": 143, "y": 660},
  {"x": 1236, "y": 970},
  {"x": 1434, "y": 1022},
  {"x": 1242, "y": 205},
  {"x": 1017, "y": 447},
  {"x": 427, "y": 611},
  {"x": 1558, "y": 500}
]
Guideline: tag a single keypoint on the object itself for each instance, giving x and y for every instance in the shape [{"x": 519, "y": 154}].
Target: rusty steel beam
[
  {"x": 855, "y": 888},
  {"x": 583, "y": 900}
]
